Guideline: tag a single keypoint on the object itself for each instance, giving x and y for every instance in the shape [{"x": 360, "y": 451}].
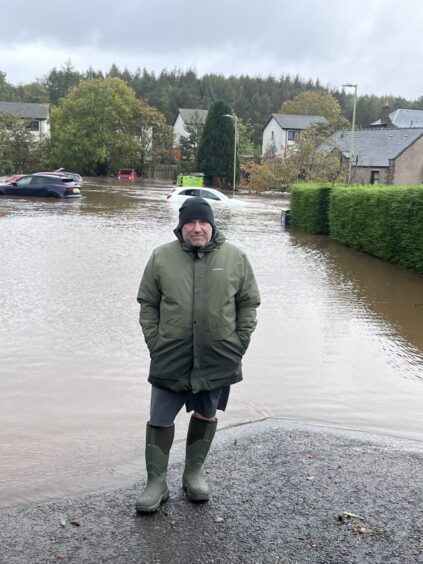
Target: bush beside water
[
  {"x": 309, "y": 207},
  {"x": 384, "y": 221}
]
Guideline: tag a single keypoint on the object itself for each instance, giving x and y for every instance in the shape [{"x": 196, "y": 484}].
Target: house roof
[
  {"x": 191, "y": 115},
  {"x": 403, "y": 118},
  {"x": 375, "y": 147},
  {"x": 25, "y": 109},
  {"x": 295, "y": 121}
]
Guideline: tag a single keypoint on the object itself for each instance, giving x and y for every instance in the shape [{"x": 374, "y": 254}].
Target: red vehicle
[{"x": 128, "y": 173}]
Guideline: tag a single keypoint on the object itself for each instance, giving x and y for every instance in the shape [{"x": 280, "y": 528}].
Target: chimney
[{"x": 386, "y": 110}]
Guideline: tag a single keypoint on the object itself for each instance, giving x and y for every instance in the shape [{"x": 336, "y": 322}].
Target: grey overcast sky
[{"x": 375, "y": 43}]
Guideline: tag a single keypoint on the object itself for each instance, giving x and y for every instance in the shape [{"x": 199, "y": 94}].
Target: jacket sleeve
[
  {"x": 247, "y": 302},
  {"x": 149, "y": 297}
]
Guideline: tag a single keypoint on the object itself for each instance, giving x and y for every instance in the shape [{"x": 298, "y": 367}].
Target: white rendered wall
[
  {"x": 278, "y": 141},
  {"x": 179, "y": 131}
]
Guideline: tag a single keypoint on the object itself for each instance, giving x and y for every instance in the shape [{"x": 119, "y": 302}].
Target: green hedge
[
  {"x": 309, "y": 208},
  {"x": 386, "y": 222}
]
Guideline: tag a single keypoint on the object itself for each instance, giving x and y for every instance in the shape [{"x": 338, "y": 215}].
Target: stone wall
[{"x": 408, "y": 167}]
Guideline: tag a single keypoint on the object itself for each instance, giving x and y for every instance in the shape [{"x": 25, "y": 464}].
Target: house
[
  {"x": 383, "y": 156},
  {"x": 400, "y": 118},
  {"x": 282, "y": 131},
  {"x": 36, "y": 114},
  {"x": 186, "y": 117}
]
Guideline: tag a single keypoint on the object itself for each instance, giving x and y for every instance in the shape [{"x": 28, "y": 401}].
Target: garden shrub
[
  {"x": 384, "y": 221},
  {"x": 309, "y": 208}
]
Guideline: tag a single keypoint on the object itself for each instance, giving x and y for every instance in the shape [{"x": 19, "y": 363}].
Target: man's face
[{"x": 197, "y": 232}]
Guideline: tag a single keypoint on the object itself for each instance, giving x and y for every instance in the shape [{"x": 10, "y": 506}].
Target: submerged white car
[{"x": 182, "y": 193}]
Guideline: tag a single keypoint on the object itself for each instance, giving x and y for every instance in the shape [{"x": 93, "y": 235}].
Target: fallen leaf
[
  {"x": 75, "y": 523},
  {"x": 62, "y": 520},
  {"x": 219, "y": 520},
  {"x": 60, "y": 557},
  {"x": 310, "y": 477}
]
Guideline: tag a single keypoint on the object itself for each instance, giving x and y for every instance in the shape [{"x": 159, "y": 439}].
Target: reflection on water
[
  {"x": 339, "y": 339},
  {"x": 387, "y": 293}
]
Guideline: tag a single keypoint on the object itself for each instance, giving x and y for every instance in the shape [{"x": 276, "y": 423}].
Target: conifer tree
[{"x": 215, "y": 155}]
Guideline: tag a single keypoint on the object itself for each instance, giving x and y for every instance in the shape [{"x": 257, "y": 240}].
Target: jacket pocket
[
  {"x": 223, "y": 355},
  {"x": 171, "y": 358}
]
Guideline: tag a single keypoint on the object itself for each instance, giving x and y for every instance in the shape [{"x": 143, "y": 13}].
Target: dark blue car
[{"x": 43, "y": 186}]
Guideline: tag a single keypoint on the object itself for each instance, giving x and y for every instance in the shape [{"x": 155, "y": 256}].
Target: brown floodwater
[{"x": 339, "y": 340}]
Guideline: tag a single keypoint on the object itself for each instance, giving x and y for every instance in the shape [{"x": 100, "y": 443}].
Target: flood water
[{"x": 339, "y": 340}]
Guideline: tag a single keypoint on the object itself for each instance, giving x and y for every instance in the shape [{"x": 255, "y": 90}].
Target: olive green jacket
[{"x": 198, "y": 310}]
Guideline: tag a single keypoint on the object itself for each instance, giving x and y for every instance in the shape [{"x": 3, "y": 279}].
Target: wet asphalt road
[{"x": 281, "y": 493}]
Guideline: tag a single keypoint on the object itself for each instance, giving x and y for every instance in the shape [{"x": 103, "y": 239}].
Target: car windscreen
[{"x": 126, "y": 171}]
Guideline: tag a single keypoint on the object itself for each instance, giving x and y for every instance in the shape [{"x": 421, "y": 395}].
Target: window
[
  {"x": 50, "y": 180},
  {"x": 209, "y": 195},
  {"x": 24, "y": 181},
  {"x": 34, "y": 125},
  {"x": 374, "y": 177},
  {"x": 293, "y": 135},
  {"x": 273, "y": 136},
  {"x": 190, "y": 192},
  {"x": 39, "y": 181}
]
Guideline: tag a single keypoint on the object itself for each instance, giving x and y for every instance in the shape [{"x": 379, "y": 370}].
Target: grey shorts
[{"x": 165, "y": 404}]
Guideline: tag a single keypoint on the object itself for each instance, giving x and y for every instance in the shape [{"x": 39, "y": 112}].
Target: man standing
[{"x": 198, "y": 299}]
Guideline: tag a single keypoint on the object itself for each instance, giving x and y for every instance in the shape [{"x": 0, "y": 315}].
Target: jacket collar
[{"x": 217, "y": 239}]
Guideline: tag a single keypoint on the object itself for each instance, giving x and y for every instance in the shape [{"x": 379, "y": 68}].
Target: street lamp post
[
  {"x": 350, "y": 85},
  {"x": 235, "y": 119}
]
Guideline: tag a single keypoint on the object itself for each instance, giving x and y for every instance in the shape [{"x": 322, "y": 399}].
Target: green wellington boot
[
  {"x": 199, "y": 438},
  {"x": 157, "y": 447}
]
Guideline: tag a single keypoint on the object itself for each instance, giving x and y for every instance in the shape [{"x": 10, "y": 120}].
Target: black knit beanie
[{"x": 195, "y": 208}]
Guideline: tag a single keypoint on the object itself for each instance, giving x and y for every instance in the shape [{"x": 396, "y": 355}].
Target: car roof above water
[{"x": 190, "y": 191}]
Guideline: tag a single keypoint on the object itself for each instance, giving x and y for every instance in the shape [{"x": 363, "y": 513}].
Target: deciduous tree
[
  {"x": 154, "y": 136},
  {"x": 100, "y": 126},
  {"x": 313, "y": 159},
  {"x": 274, "y": 173},
  {"x": 314, "y": 103},
  {"x": 16, "y": 142},
  {"x": 317, "y": 158},
  {"x": 92, "y": 130},
  {"x": 246, "y": 146}
]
